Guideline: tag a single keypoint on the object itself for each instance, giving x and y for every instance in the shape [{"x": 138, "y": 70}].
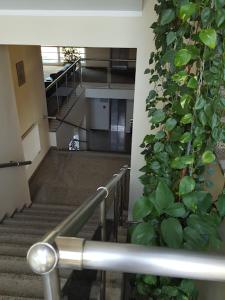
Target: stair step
[
  {"x": 53, "y": 207},
  {"x": 11, "y": 228},
  {"x": 18, "y": 265},
  {"x": 21, "y": 216},
  {"x": 2, "y": 297},
  {"x": 6, "y": 238},
  {"x": 13, "y": 249},
  {"x": 30, "y": 223},
  {"x": 22, "y": 286},
  {"x": 42, "y": 212}
]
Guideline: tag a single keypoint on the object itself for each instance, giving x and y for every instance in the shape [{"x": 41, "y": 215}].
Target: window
[{"x": 54, "y": 55}]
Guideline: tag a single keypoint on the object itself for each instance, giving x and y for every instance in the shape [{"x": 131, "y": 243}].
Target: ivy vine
[{"x": 185, "y": 106}]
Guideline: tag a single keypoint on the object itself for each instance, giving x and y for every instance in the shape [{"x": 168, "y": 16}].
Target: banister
[
  {"x": 62, "y": 75},
  {"x": 15, "y": 164},
  {"x": 43, "y": 256},
  {"x": 81, "y": 215},
  {"x": 138, "y": 259},
  {"x": 69, "y": 123}
]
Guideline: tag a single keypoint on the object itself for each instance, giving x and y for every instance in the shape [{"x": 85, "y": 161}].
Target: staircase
[{"x": 17, "y": 234}]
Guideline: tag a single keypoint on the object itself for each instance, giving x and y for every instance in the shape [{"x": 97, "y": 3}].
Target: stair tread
[
  {"x": 53, "y": 206},
  {"x": 13, "y": 249},
  {"x": 19, "y": 265},
  {"x": 3, "y": 297},
  {"x": 11, "y": 228},
  {"x": 22, "y": 286}
]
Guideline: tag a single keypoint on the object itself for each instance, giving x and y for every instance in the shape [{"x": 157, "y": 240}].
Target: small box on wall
[{"x": 20, "y": 73}]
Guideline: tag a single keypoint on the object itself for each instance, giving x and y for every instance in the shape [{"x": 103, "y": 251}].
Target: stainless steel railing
[
  {"x": 56, "y": 250},
  {"x": 43, "y": 256}
]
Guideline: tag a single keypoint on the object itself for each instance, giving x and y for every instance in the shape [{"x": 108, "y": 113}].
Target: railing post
[
  {"x": 81, "y": 74},
  {"x": 115, "y": 213},
  {"x": 51, "y": 285},
  {"x": 103, "y": 238},
  {"x": 57, "y": 97},
  {"x": 43, "y": 259}
]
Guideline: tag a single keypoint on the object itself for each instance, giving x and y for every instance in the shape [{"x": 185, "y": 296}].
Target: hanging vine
[{"x": 185, "y": 107}]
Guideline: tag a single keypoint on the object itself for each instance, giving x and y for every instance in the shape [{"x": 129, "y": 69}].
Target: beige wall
[
  {"x": 127, "y": 32},
  {"x": 30, "y": 97},
  {"x": 14, "y": 191}
]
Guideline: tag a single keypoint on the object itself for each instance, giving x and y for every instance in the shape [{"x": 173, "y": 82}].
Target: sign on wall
[{"x": 20, "y": 73}]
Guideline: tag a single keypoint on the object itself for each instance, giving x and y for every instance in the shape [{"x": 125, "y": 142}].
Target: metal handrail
[
  {"x": 81, "y": 215},
  {"x": 43, "y": 257},
  {"x": 53, "y": 83},
  {"x": 68, "y": 123},
  {"x": 108, "y": 59},
  {"x": 138, "y": 259},
  {"x": 15, "y": 164},
  {"x": 62, "y": 75}
]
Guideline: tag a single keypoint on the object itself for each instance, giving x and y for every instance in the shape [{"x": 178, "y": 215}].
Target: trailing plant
[{"x": 185, "y": 106}]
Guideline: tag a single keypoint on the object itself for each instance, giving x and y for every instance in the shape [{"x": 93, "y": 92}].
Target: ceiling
[{"x": 72, "y": 7}]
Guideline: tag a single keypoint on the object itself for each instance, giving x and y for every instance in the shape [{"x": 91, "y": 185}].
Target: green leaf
[
  {"x": 187, "y": 286},
  {"x": 200, "y": 103},
  {"x": 182, "y": 57},
  {"x": 187, "y": 11},
  {"x": 208, "y": 37},
  {"x": 187, "y": 185},
  {"x": 202, "y": 118},
  {"x": 221, "y": 205},
  {"x": 208, "y": 157},
  {"x": 152, "y": 94},
  {"x": 168, "y": 15},
  {"x": 150, "y": 279},
  {"x": 160, "y": 135},
  {"x": 176, "y": 210},
  {"x": 158, "y": 116},
  {"x": 142, "y": 208},
  {"x": 194, "y": 241},
  {"x": 187, "y": 119},
  {"x": 182, "y": 162},
  {"x": 170, "y": 124},
  {"x": 164, "y": 198},
  {"x": 180, "y": 77},
  {"x": 172, "y": 232},
  {"x": 206, "y": 15},
  {"x": 186, "y": 137},
  {"x": 220, "y": 17},
  {"x": 192, "y": 83},
  {"x": 143, "y": 234},
  {"x": 170, "y": 291},
  {"x": 219, "y": 3},
  {"x": 198, "y": 200},
  {"x": 147, "y": 71},
  {"x": 171, "y": 37},
  {"x": 214, "y": 120},
  {"x": 158, "y": 147}
]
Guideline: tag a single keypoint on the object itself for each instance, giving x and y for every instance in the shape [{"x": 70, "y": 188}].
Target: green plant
[
  {"x": 187, "y": 71},
  {"x": 70, "y": 54}
]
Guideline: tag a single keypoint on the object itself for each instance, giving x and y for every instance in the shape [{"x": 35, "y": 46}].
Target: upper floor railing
[
  {"x": 91, "y": 72},
  {"x": 15, "y": 164}
]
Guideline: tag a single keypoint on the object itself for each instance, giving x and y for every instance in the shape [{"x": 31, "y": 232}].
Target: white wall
[
  {"x": 127, "y": 32},
  {"x": 31, "y": 101},
  {"x": 14, "y": 191}
]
